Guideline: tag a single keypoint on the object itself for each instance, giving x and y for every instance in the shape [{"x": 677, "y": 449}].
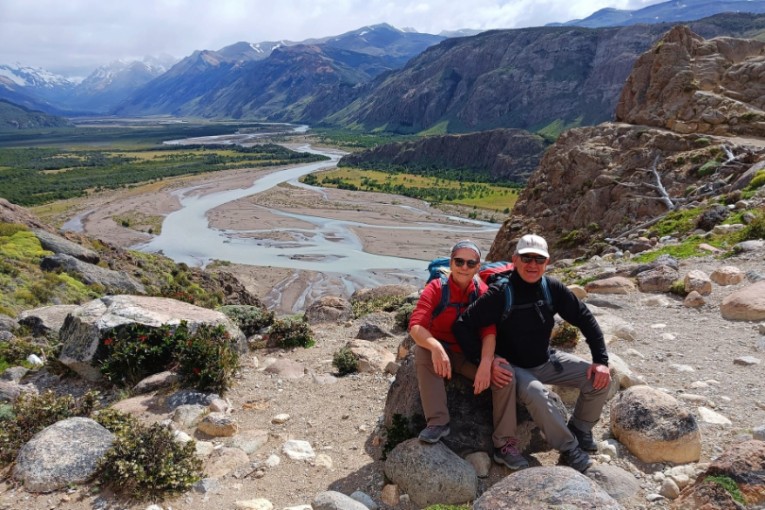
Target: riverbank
[{"x": 395, "y": 226}]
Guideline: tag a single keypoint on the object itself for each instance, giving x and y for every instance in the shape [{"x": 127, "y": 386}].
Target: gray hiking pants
[
  {"x": 433, "y": 394},
  {"x": 571, "y": 372}
]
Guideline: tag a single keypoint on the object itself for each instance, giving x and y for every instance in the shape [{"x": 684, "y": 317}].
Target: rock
[
  {"x": 471, "y": 416},
  {"x": 747, "y": 304},
  {"x": 14, "y": 374},
  {"x": 58, "y": 244},
  {"x": 698, "y": 281},
  {"x": 618, "y": 483},
  {"x": 546, "y": 487},
  {"x": 286, "y": 368},
  {"x": 578, "y": 291},
  {"x": 669, "y": 489},
  {"x": 694, "y": 300},
  {"x": 218, "y": 405},
  {"x": 116, "y": 282},
  {"x": 10, "y": 390},
  {"x": 727, "y": 275},
  {"x": 372, "y": 332},
  {"x": 749, "y": 246},
  {"x": 35, "y": 361},
  {"x": 272, "y": 461},
  {"x": 712, "y": 217},
  {"x": 296, "y": 449},
  {"x": 365, "y": 499},
  {"x": 189, "y": 415},
  {"x": 480, "y": 462},
  {"x": 47, "y": 320},
  {"x": 371, "y": 357},
  {"x": 323, "y": 460},
  {"x": 431, "y": 474},
  {"x": 654, "y": 426},
  {"x": 208, "y": 486},
  {"x": 399, "y": 291},
  {"x": 747, "y": 361},
  {"x": 744, "y": 464},
  {"x": 218, "y": 425},
  {"x": 622, "y": 372},
  {"x": 659, "y": 279},
  {"x": 225, "y": 460},
  {"x": 188, "y": 397},
  {"x": 280, "y": 419},
  {"x": 390, "y": 495},
  {"x": 332, "y": 500},
  {"x": 708, "y": 416},
  {"x": 759, "y": 433},
  {"x": 8, "y": 324},
  {"x": 87, "y": 326},
  {"x": 329, "y": 309},
  {"x": 249, "y": 441},
  {"x": 254, "y": 504},
  {"x": 154, "y": 382},
  {"x": 613, "y": 285},
  {"x": 62, "y": 454}
]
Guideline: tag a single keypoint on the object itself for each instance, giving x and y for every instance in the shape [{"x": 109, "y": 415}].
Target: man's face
[{"x": 530, "y": 266}]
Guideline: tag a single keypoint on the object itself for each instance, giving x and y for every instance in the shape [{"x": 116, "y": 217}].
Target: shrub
[
  {"x": 757, "y": 181},
  {"x": 381, "y": 304},
  {"x": 291, "y": 332},
  {"x": 8, "y": 229},
  {"x": 564, "y": 336},
  {"x": 678, "y": 288},
  {"x": 345, "y": 362},
  {"x": 729, "y": 485},
  {"x": 755, "y": 229},
  {"x": 115, "y": 421},
  {"x": 135, "y": 351},
  {"x": 250, "y": 319},
  {"x": 149, "y": 464},
  {"x": 208, "y": 359},
  {"x": 399, "y": 431},
  {"x": 708, "y": 168},
  {"x": 403, "y": 315},
  {"x": 16, "y": 351},
  {"x": 32, "y": 413}
]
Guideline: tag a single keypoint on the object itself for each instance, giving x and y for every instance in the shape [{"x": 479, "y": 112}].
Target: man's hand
[
  {"x": 441, "y": 363},
  {"x": 600, "y": 375},
  {"x": 500, "y": 376}
]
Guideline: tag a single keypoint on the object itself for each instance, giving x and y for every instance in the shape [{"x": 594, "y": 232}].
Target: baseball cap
[{"x": 532, "y": 243}]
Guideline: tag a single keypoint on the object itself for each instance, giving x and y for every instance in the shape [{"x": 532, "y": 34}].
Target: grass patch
[
  {"x": 677, "y": 222},
  {"x": 441, "y": 128},
  {"x": 136, "y": 220},
  {"x": 729, "y": 485}
]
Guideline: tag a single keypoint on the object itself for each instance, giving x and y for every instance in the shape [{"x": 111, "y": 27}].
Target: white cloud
[{"x": 75, "y": 36}]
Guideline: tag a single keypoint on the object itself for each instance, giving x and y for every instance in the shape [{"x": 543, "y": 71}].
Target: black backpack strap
[
  {"x": 509, "y": 307},
  {"x": 441, "y": 306}
]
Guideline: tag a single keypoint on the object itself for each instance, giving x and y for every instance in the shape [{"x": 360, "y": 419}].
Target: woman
[{"x": 437, "y": 355}]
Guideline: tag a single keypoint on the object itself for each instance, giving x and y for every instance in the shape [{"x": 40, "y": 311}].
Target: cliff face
[
  {"x": 690, "y": 85},
  {"x": 505, "y": 154},
  {"x": 602, "y": 182}
]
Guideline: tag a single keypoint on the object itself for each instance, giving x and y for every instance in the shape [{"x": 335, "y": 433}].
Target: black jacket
[{"x": 523, "y": 338}]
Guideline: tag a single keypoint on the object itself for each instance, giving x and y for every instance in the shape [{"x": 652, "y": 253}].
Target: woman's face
[{"x": 462, "y": 274}]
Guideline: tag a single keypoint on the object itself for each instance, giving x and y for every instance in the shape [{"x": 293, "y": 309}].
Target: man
[{"x": 524, "y": 358}]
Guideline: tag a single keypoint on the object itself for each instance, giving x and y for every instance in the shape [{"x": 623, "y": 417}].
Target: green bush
[
  {"x": 132, "y": 352},
  {"x": 250, "y": 319},
  {"x": 115, "y": 421},
  {"x": 399, "y": 431},
  {"x": 15, "y": 351},
  {"x": 708, "y": 168},
  {"x": 403, "y": 315},
  {"x": 290, "y": 332},
  {"x": 678, "y": 288},
  {"x": 32, "y": 413},
  {"x": 755, "y": 229},
  {"x": 8, "y": 229},
  {"x": 382, "y": 304},
  {"x": 564, "y": 336},
  {"x": 149, "y": 464},
  {"x": 729, "y": 485},
  {"x": 757, "y": 181},
  {"x": 208, "y": 359},
  {"x": 345, "y": 362}
]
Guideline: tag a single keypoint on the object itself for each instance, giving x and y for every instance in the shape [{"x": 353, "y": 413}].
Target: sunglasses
[
  {"x": 461, "y": 262},
  {"x": 539, "y": 259}
]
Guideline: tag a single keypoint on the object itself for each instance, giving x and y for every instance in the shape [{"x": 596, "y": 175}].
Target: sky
[{"x": 73, "y": 37}]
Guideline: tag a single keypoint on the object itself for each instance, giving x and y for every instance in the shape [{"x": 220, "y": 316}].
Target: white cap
[{"x": 531, "y": 243}]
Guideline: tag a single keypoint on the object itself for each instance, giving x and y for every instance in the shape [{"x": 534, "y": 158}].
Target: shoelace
[{"x": 511, "y": 446}]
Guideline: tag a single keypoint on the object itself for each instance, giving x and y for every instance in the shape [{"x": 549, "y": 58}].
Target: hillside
[{"x": 13, "y": 116}]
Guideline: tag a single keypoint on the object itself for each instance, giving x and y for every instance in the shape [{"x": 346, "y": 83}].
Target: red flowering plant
[
  {"x": 134, "y": 351},
  {"x": 207, "y": 360}
]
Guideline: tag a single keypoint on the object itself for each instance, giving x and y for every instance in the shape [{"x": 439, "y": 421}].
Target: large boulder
[
  {"x": 329, "y": 309},
  {"x": 86, "y": 327},
  {"x": 371, "y": 356},
  {"x": 113, "y": 281},
  {"x": 58, "y": 244},
  {"x": 697, "y": 280},
  {"x": 471, "y": 415},
  {"x": 612, "y": 285},
  {"x": 742, "y": 464},
  {"x": 62, "y": 454},
  {"x": 727, "y": 275},
  {"x": 540, "y": 488},
  {"x": 747, "y": 304},
  {"x": 659, "y": 279},
  {"x": 46, "y": 320},
  {"x": 431, "y": 473},
  {"x": 654, "y": 426}
]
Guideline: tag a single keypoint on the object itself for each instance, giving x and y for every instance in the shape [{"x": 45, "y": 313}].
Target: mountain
[
  {"x": 540, "y": 79},
  {"x": 300, "y": 82},
  {"x": 674, "y": 11},
  {"x": 14, "y": 116},
  {"x": 33, "y": 87}
]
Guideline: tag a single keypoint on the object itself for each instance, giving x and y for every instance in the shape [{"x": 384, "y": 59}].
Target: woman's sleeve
[{"x": 422, "y": 315}]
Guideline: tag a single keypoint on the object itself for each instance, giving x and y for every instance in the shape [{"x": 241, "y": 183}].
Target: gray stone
[
  {"x": 62, "y": 454},
  {"x": 189, "y": 397},
  {"x": 189, "y": 415},
  {"x": 117, "y": 282},
  {"x": 618, "y": 483},
  {"x": 46, "y": 320},
  {"x": 208, "y": 486},
  {"x": 329, "y": 309},
  {"x": 58, "y": 244},
  {"x": 371, "y": 357},
  {"x": 154, "y": 382},
  {"x": 747, "y": 361},
  {"x": 14, "y": 374},
  {"x": 10, "y": 390},
  {"x": 372, "y": 332},
  {"x": 746, "y": 304},
  {"x": 751, "y": 245},
  {"x": 332, "y": 500},
  {"x": 87, "y": 326},
  {"x": 431, "y": 473},
  {"x": 759, "y": 433},
  {"x": 365, "y": 499},
  {"x": 8, "y": 323},
  {"x": 297, "y": 449},
  {"x": 218, "y": 425},
  {"x": 286, "y": 368},
  {"x": 546, "y": 487},
  {"x": 249, "y": 441},
  {"x": 659, "y": 279},
  {"x": 224, "y": 460}
]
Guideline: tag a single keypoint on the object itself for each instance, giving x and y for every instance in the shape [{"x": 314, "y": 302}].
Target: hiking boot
[
  {"x": 585, "y": 440},
  {"x": 434, "y": 433},
  {"x": 510, "y": 456},
  {"x": 576, "y": 458}
]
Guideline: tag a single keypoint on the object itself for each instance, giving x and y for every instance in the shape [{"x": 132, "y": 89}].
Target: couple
[{"x": 516, "y": 360}]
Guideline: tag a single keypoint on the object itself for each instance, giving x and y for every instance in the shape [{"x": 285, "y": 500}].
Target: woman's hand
[
  {"x": 482, "y": 376},
  {"x": 441, "y": 363}
]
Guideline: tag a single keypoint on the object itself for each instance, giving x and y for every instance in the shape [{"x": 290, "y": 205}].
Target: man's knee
[{"x": 533, "y": 393}]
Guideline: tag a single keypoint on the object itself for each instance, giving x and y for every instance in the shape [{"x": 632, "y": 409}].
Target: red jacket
[{"x": 441, "y": 326}]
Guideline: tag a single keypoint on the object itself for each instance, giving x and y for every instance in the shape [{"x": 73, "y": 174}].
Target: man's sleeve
[
  {"x": 483, "y": 313},
  {"x": 576, "y": 313}
]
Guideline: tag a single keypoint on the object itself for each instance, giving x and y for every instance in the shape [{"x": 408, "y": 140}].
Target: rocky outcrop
[
  {"x": 747, "y": 304},
  {"x": 87, "y": 326},
  {"x": 329, "y": 309},
  {"x": 503, "y": 154},
  {"x": 46, "y": 320},
  {"x": 58, "y": 244},
  {"x": 114, "y": 281},
  {"x": 690, "y": 85},
  {"x": 64, "y": 453}
]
